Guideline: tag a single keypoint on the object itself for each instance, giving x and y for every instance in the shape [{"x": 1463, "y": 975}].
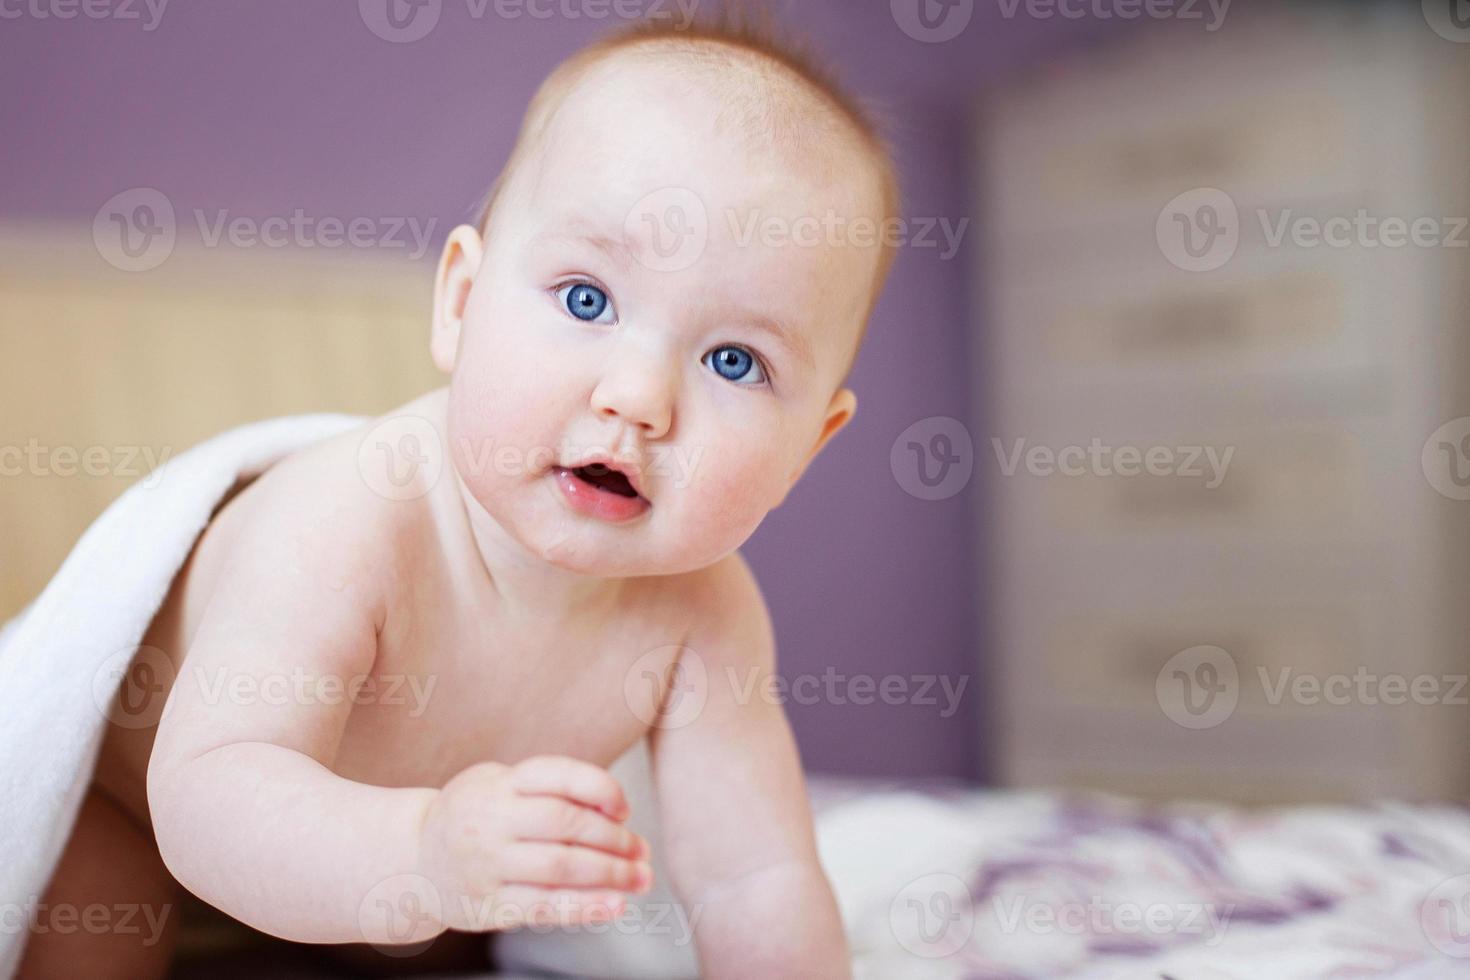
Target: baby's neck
[{"x": 530, "y": 586}]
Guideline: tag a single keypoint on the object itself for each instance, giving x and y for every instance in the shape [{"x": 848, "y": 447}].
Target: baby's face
[{"x": 706, "y": 373}]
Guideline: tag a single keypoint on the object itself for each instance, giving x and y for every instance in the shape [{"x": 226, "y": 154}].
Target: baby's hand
[{"x": 541, "y": 842}]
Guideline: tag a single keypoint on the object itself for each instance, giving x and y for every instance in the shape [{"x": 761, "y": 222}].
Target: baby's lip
[{"x": 631, "y": 471}]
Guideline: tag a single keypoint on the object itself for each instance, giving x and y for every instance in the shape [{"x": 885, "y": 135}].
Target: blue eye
[
  {"x": 735, "y": 364},
  {"x": 585, "y": 302}
]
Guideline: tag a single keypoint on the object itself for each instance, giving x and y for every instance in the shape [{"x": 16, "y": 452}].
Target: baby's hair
[{"x": 718, "y": 39}]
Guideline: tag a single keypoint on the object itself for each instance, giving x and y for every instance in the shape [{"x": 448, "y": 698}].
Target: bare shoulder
[
  {"x": 315, "y": 524},
  {"x": 729, "y": 620}
]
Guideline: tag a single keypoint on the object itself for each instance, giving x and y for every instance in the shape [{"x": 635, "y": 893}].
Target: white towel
[{"x": 54, "y": 656}]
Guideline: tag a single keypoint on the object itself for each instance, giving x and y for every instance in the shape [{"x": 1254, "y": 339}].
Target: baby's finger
[
  {"x": 571, "y": 866},
  {"x": 548, "y": 818},
  {"x": 538, "y": 906},
  {"x": 581, "y": 782}
]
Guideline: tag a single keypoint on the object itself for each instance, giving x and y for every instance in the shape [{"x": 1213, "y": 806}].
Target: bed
[
  {"x": 992, "y": 885},
  {"x": 939, "y": 882}
]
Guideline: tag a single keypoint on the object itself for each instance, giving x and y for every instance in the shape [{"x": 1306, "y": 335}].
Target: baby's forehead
[{"x": 740, "y": 133}]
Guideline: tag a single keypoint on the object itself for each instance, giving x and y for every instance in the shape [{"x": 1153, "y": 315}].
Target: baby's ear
[
  {"x": 840, "y": 411},
  {"x": 458, "y": 264}
]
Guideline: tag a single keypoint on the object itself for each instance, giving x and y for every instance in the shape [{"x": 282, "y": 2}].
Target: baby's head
[{"x": 674, "y": 272}]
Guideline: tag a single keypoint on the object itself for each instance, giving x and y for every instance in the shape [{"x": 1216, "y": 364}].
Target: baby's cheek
[{"x": 733, "y": 490}]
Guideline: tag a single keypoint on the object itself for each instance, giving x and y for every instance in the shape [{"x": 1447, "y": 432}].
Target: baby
[{"x": 633, "y": 326}]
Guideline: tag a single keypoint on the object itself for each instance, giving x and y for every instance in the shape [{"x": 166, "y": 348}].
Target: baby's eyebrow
[
  {"x": 793, "y": 340},
  {"x": 615, "y": 248}
]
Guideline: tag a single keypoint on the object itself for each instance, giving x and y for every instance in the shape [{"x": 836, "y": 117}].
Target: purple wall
[{"x": 270, "y": 105}]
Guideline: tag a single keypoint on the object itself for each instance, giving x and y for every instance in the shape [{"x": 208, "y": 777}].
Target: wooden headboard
[{"x": 103, "y": 372}]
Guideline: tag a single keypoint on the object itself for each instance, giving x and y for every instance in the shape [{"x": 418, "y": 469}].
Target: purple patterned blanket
[{"x": 1016, "y": 886}]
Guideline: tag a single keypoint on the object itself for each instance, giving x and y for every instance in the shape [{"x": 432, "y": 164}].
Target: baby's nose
[{"x": 638, "y": 392}]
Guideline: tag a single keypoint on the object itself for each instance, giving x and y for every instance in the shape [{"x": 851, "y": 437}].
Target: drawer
[
  {"x": 1330, "y": 482},
  {"x": 1083, "y": 699},
  {"x": 1140, "y": 322},
  {"x": 1115, "y": 657},
  {"x": 1280, "y": 117},
  {"x": 1103, "y": 634}
]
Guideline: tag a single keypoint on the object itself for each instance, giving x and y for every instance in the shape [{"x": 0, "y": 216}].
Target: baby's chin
[
  {"x": 583, "y": 546},
  {"x": 616, "y": 552}
]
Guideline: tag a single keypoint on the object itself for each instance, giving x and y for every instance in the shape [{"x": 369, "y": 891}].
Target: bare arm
[
  {"x": 249, "y": 815},
  {"x": 247, "y": 812},
  {"x": 740, "y": 841}
]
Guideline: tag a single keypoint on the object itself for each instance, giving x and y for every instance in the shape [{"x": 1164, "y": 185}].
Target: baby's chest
[{"x": 443, "y": 702}]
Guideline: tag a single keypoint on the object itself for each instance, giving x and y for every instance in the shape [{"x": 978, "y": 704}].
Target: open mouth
[
  {"x": 600, "y": 491},
  {"x": 605, "y": 478}
]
